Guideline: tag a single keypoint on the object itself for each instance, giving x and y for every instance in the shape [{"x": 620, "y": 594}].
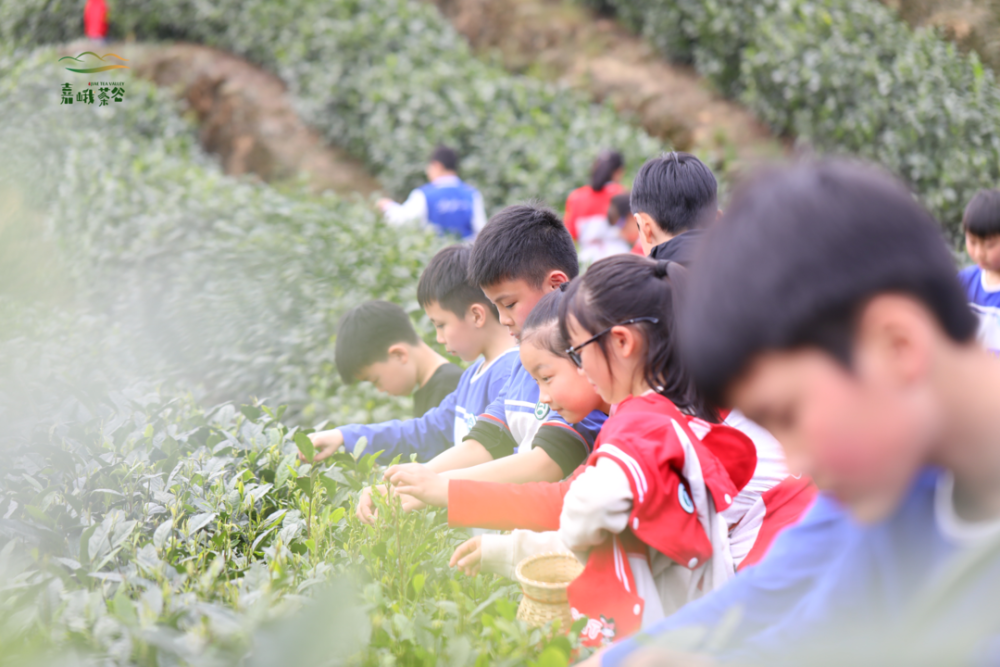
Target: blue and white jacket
[{"x": 441, "y": 427}]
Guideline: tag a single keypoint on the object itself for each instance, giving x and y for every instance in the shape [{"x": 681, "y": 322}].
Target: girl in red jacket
[{"x": 589, "y": 203}]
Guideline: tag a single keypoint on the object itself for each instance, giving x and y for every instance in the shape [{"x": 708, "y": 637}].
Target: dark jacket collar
[{"x": 680, "y": 249}]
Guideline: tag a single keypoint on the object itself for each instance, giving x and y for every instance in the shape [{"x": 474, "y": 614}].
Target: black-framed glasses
[{"x": 574, "y": 352}]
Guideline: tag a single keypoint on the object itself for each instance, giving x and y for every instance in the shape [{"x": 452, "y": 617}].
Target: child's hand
[
  {"x": 468, "y": 557},
  {"x": 326, "y": 444},
  {"x": 414, "y": 479},
  {"x": 365, "y": 510}
]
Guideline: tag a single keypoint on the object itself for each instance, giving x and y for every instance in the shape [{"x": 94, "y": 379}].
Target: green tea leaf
[
  {"x": 305, "y": 445},
  {"x": 359, "y": 447}
]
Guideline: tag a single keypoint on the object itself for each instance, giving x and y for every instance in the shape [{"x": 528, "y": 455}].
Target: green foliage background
[
  {"x": 844, "y": 76},
  {"x": 386, "y": 79},
  {"x": 137, "y": 524}
]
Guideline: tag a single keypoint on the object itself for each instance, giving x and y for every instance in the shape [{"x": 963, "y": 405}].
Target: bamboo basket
[{"x": 544, "y": 579}]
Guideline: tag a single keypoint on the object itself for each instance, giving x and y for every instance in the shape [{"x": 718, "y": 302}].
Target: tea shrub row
[
  {"x": 218, "y": 283},
  {"x": 139, "y": 527},
  {"x": 386, "y": 79},
  {"x": 846, "y": 76}
]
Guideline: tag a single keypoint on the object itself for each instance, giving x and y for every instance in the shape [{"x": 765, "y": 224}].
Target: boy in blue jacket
[
  {"x": 467, "y": 325},
  {"x": 524, "y": 253},
  {"x": 837, "y": 323}
]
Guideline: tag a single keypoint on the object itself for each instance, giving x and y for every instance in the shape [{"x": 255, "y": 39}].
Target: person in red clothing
[
  {"x": 721, "y": 460},
  {"x": 95, "y": 20},
  {"x": 588, "y": 204}
]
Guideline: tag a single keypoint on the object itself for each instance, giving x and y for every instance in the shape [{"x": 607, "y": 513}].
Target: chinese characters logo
[{"x": 106, "y": 91}]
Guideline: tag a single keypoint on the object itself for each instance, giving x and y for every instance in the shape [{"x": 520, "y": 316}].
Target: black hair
[
  {"x": 366, "y": 333},
  {"x": 620, "y": 204},
  {"x": 446, "y": 282},
  {"x": 676, "y": 190},
  {"x": 605, "y": 166},
  {"x": 446, "y": 157},
  {"x": 523, "y": 241},
  {"x": 982, "y": 215},
  {"x": 796, "y": 257},
  {"x": 623, "y": 287},
  {"x": 542, "y": 323}
]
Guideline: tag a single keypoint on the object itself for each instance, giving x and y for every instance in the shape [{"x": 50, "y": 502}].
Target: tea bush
[
  {"x": 222, "y": 283},
  {"x": 846, "y": 76},
  {"x": 139, "y": 527},
  {"x": 387, "y": 79}
]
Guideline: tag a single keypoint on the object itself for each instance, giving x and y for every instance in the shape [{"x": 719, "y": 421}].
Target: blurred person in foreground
[
  {"x": 852, "y": 342},
  {"x": 981, "y": 222},
  {"x": 446, "y": 203}
]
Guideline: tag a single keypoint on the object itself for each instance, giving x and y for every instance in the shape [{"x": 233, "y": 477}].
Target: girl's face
[
  {"x": 614, "y": 376},
  {"x": 560, "y": 386}
]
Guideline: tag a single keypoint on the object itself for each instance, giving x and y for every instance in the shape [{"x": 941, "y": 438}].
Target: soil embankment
[
  {"x": 246, "y": 118},
  {"x": 560, "y": 41}
]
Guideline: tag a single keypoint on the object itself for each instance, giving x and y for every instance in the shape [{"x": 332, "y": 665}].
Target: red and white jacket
[
  {"x": 657, "y": 488},
  {"x": 643, "y": 438}
]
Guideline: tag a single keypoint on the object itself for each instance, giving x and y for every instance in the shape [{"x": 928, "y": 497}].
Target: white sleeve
[
  {"x": 598, "y": 502},
  {"x": 502, "y": 553},
  {"x": 414, "y": 208},
  {"x": 478, "y": 214}
]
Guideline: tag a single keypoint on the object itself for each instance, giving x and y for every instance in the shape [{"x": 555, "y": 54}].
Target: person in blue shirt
[
  {"x": 837, "y": 323},
  {"x": 759, "y": 596},
  {"x": 467, "y": 324},
  {"x": 446, "y": 203},
  {"x": 982, "y": 280}
]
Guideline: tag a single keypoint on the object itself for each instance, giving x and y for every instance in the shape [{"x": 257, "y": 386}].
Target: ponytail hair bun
[{"x": 605, "y": 166}]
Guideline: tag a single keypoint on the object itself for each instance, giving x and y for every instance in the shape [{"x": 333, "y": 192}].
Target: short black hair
[
  {"x": 366, "y": 333},
  {"x": 446, "y": 282},
  {"x": 446, "y": 157},
  {"x": 982, "y": 215},
  {"x": 523, "y": 241},
  {"x": 620, "y": 204},
  {"x": 676, "y": 190},
  {"x": 795, "y": 258}
]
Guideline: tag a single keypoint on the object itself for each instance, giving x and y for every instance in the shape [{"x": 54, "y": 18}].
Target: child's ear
[
  {"x": 647, "y": 227},
  {"x": 623, "y": 341},
  {"x": 555, "y": 279},
  {"x": 477, "y": 315},
  {"x": 400, "y": 352}
]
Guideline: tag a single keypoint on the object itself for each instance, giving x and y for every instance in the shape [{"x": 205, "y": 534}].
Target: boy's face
[
  {"x": 459, "y": 335},
  {"x": 514, "y": 299},
  {"x": 984, "y": 251},
  {"x": 396, "y": 376},
  {"x": 862, "y": 433}
]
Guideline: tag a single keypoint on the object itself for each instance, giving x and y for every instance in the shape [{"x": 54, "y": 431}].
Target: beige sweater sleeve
[
  {"x": 502, "y": 553},
  {"x": 597, "y": 504}
]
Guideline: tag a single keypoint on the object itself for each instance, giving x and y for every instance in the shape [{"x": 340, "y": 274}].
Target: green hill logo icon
[{"x": 96, "y": 68}]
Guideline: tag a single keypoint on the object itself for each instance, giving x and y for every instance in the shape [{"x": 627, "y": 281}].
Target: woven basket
[{"x": 544, "y": 579}]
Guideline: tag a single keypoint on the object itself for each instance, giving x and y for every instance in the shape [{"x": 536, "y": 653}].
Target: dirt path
[
  {"x": 246, "y": 118},
  {"x": 559, "y": 40}
]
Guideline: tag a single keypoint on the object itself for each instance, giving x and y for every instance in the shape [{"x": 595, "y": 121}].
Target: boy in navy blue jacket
[
  {"x": 467, "y": 325},
  {"x": 837, "y": 323}
]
